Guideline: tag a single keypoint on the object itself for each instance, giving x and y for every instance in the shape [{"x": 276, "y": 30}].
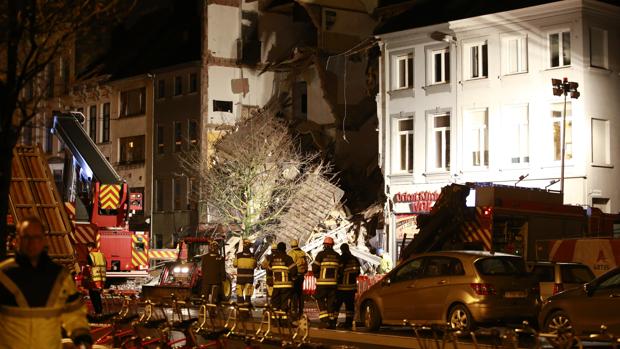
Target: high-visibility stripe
[
  {"x": 109, "y": 196},
  {"x": 139, "y": 258}
]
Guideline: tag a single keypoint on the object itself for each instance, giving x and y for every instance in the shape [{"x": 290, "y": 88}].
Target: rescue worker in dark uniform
[
  {"x": 97, "y": 265},
  {"x": 325, "y": 267},
  {"x": 284, "y": 271},
  {"x": 213, "y": 273},
  {"x": 347, "y": 284},
  {"x": 301, "y": 260},
  {"x": 38, "y": 297},
  {"x": 268, "y": 274},
  {"x": 245, "y": 264}
]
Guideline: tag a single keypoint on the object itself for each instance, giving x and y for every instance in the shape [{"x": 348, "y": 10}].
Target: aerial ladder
[{"x": 97, "y": 198}]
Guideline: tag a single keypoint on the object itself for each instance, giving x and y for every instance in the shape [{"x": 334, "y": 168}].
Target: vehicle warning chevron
[{"x": 109, "y": 196}]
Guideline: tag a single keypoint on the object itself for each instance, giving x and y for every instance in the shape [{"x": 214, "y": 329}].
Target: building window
[
  {"x": 27, "y": 133},
  {"x": 178, "y": 136},
  {"x": 598, "y": 48},
  {"x": 558, "y": 125},
  {"x": 92, "y": 123},
  {"x": 225, "y": 106},
  {"x": 559, "y": 49},
  {"x": 514, "y": 54},
  {"x": 105, "y": 137},
  {"x": 160, "y": 139},
  {"x": 476, "y": 145},
  {"x": 440, "y": 142},
  {"x": 49, "y": 144},
  {"x": 161, "y": 89},
  {"x": 192, "y": 193},
  {"x": 601, "y": 154},
  {"x": 602, "y": 204},
  {"x": 405, "y": 144},
  {"x": 65, "y": 71},
  {"x": 178, "y": 85},
  {"x": 517, "y": 134},
  {"x": 440, "y": 66},
  {"x": 193, "y": 82},
  {"x": 177, "y": 193},
  {"x": 51, "y": 80},
  {"x": 476, "y": 60},
  {"x": 159, "y": 195},
  {"x": 192, "y": 132},
  {"x": 403, "y": 72},
  {"x": 133, "y": 102},
  {"x": 131, "y": 149}
]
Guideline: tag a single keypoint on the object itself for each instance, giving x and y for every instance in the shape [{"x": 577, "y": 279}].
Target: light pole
[{"x": 564, "y": 87}]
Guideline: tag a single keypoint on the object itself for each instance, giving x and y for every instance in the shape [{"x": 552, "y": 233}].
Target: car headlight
[
  {"x": 176, "y": 270},
  {"x": 185, "y": 270}
]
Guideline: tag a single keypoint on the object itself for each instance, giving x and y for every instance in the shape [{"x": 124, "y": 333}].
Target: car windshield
[
  {"x": 500, "y": 266},
  {"x": 543, "y": 273},
  {"x": 576, "y": 274}
]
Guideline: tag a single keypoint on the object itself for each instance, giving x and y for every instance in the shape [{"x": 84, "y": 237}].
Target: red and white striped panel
[
  {"x": 70, "y": 208},
  {"x": 85, "y": 233}
]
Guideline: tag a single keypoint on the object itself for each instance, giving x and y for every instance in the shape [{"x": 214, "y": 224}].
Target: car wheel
[
  {"x": 460, "y": 318},
  {"x": 559, "y": 323},
  {"x": 371, "y": 316}
]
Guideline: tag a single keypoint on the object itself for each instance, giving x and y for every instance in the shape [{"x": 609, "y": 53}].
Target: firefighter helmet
[
  {"x": 294, "y": 243},
  {"x": 328, "y": 241},
  {"x": 247, "y": 242},
  {"x": 274, "y": 246}
]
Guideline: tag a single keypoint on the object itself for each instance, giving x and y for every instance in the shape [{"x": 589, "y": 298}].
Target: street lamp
[{"x": 564, "y": 87}]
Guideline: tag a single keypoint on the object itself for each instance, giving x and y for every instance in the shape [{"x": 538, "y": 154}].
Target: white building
[{"x": 471, "y": 100}]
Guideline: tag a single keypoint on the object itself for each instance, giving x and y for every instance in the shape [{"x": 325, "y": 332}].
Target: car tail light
[
  {"x": 483, "y": 289},
  {"x": 557, "y": 288}
]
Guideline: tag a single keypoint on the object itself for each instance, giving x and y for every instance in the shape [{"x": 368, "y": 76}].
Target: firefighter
[
  {"x": 386, "y": 262},
  {"x": 325, "y": 267},
  {"x": 38, "y": 297},
  {"x": 213, "y": 273},
  {"x": 347, "y": 284},
  {"x": 283, "y": 270},
  {"x": 301, "y": 260},
  {"x": 245, "y": 264},
  {"x": 97, "y": 265},
  {"x": 268, "y": 275}
]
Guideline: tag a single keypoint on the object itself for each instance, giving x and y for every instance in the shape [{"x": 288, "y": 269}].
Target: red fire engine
[
  {"x": 504, "y": 219},
  {"x": 97, "y": 199}
]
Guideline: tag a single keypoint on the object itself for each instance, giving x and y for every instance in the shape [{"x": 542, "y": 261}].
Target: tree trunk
[{"x": 7, "y": 142}]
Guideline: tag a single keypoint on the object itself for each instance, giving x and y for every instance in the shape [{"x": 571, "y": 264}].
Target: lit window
[
  {"x": 440, "y": 66},
  {"x": 477, "y": 138},
  {"x": 405, "y": 144},
  {"x": 559, "y": 49},
  {"x": 192, "y": 132},
  {"x": 178, "y": 136},
  {"x": 558, "y": 125},
  {"x": 598, "y": 48},
  {"x": 600, "y": 142},
  {"x": 517, "y": 134},
  {"x": 439, "y": 140},
  {"x": 403, "y": 72},
  {"x": 476, "y": 60},
  {"x": 131, "y": 149},
  {"x": 514, "y": 54}
]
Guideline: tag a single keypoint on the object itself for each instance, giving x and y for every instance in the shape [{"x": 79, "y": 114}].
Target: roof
[{"x": 426, "y": 12}]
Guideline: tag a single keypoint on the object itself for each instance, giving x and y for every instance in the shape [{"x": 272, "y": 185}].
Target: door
[
  {"x": 601, "y": 307},
  {"x": 396, "y": 291},
  {"x": 433, "y": 286}
]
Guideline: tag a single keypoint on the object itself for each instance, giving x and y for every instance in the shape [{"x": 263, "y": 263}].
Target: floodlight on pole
[{"x": 564, "y": 87}]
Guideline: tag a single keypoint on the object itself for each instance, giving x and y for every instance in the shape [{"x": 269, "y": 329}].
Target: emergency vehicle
[{"x": 504, "y": 218}]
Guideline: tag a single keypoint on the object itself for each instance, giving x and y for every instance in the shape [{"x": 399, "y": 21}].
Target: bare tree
[
  {"x": 33, "y": 34},
  {"x": 253, "y": 173}
]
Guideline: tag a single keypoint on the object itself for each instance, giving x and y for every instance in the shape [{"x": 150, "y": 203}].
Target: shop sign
[{"x": 418, "y": 202}]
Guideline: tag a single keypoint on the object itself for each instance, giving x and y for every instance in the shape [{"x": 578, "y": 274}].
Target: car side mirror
[{"x": 588, "y": 288}]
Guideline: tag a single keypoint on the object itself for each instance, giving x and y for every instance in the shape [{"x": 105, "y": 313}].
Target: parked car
[
  {"x": 583, "y": 310},
  {"x": 463, "y": 288},
  {"x": 554, "y": 278}
]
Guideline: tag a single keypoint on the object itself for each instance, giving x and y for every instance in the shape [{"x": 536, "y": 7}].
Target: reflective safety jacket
[
  {"x": 350, "y": 270},
  {"x": 300, "y": 258},
  {"x": 326, "y": 266},
  {"x": 283, "y": 269},
  {"x": 97, "y": 263},
  {"x": 35, "y": 302},
  {"x": 245, "y": 264}
]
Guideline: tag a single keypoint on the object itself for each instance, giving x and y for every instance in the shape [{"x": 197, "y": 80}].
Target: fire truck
[
  {"x": 97, "y": 200},
  {"x": 504, "y": 219}
]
